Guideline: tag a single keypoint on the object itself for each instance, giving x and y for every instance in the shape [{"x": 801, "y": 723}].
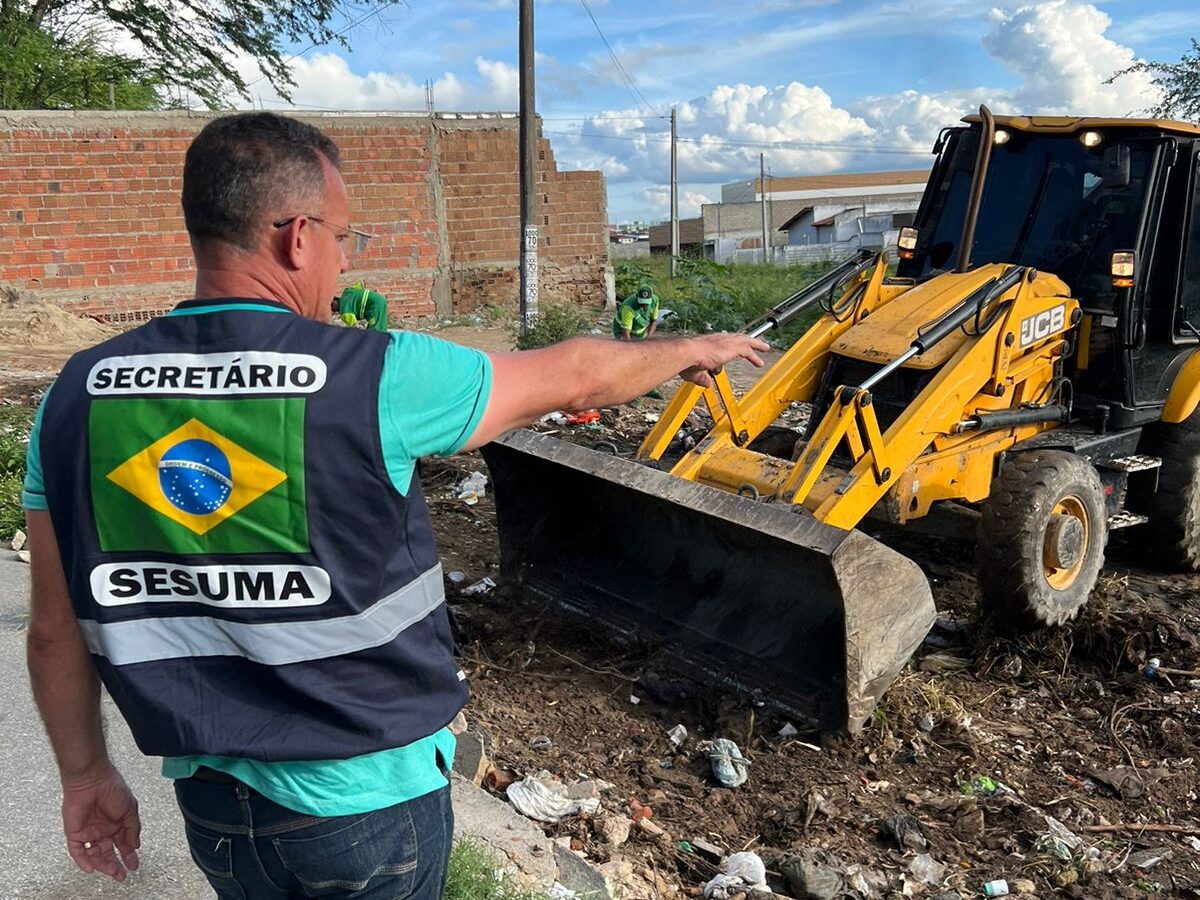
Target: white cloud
[
  {"x": 722, "y": 134},
  {"x": 1063, "y": 56},
  {"x": 503, "y": 83},
  {"x": 913, "y": 119},
  {"x": 1060, "y": 50},
  {"x": 690, "y": 203},
  {"x": 657, "y": 200},
  {"x": 325, "y": 81}
]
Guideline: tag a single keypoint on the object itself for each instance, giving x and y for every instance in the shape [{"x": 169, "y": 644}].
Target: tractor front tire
[
  {"x": 1175, "y": 507},
  {"x": 1041, "y": 538}
]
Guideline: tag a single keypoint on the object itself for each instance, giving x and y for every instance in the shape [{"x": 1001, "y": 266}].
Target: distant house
[
  {"x": 824, "y": 216},
  {"x": 627, "y": 244},
  {"x": 691, "y": 237},
  {"x": 820, "y": 187},
  {"x": 733, "y": 231},
  {"x": 876, "y": 230}
]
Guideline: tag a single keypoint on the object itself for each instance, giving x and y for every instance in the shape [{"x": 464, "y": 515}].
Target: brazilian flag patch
[{"x": 191, "y": 476}]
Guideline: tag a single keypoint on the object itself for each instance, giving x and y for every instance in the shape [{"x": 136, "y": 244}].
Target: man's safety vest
[{"x": 246, "y": 577}]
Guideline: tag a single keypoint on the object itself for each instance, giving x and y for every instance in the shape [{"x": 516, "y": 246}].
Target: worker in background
[
  {"x": 358, "y": 303},
  {"x": 637, "y": 316}
]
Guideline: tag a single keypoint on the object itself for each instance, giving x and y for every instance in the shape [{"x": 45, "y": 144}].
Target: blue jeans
[{"x": 251, "y": 848}]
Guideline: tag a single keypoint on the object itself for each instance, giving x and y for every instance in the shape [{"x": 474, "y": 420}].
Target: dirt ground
[
  {"x": 995, "y": 745},
  {"x": 1063, "y": 720}
]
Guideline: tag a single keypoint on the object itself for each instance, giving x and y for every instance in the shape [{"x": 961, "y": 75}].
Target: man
[
  {"x": 637, "y": 316},
  {"x": 188, "y": 515},
  {"x": 357, "y": 304}
]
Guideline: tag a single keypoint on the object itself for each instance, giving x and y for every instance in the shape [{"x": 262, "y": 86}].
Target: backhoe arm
[
  {"x": 794, "y": 377},
  {"x": 1005, "y": 358}
]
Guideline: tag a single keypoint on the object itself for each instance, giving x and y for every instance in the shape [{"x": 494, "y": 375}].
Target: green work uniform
[
  {"x": 360, "y": 304},
  {"x": 635, "y": 316}
]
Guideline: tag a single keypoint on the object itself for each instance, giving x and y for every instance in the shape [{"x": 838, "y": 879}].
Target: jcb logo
[{"x": 1044, "y": 324}]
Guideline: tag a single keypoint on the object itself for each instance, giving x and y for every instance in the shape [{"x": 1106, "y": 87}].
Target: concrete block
[
  {"x": 518, "y": 844},
  {"x": 470, "y": 759},
  {"x": 577, "y": 874}
]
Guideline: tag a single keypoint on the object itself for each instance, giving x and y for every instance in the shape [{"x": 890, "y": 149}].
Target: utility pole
[
  {"x": 112, "y": 96},
  {"x": 762, "y": 193},
  {"x": 528, "y": 150},
  {"x": 674, "y": 196}
]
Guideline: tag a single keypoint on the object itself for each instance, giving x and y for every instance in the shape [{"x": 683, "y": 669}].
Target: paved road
[{"x": 33, "y": 859}]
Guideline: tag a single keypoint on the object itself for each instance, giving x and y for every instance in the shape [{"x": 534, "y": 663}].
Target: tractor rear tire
[
  {"x": 1174, "y": 509},
  {"x": 1041, "y": 538}
]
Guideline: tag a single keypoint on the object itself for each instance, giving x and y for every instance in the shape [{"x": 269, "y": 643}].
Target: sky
[{"x": 819, "y": 86}]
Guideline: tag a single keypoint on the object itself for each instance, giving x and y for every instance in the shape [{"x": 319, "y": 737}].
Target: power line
[
  {"x": 633, "y": 88},
  {"x": 342, "y": 33}
]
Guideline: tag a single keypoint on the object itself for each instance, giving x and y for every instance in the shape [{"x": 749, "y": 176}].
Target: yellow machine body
[
  {"x": 929, "y": 452},
  {"x": 1032, "y": 339}
]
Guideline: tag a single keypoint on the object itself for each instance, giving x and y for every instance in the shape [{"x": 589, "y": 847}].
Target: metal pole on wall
[
  {"x": 674, "y": 197},
  {"x": 762, "y": 193},
  {"x": 528, "y": 166}
]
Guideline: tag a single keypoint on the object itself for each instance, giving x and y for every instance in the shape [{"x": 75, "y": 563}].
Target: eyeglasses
[{"x": 350, "y": 248}]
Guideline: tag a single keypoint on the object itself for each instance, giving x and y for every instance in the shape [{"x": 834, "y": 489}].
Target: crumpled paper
[{"x": 544, "y": 798}]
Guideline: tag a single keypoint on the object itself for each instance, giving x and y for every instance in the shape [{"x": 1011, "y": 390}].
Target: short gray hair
[{"x": 243, "y": 170}]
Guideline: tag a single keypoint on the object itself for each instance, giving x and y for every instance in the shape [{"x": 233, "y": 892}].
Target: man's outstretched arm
[
  {"x": 100, "y": 815},
  {"x": 585, "y": 372}
]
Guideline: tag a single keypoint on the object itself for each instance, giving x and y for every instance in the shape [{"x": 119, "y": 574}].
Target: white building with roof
[{"x": 812, "y": 217}]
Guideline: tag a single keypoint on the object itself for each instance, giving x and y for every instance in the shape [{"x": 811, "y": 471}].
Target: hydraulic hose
[
  {"x": 970, "y": 306},
  {"x": 811, "y": 294}
]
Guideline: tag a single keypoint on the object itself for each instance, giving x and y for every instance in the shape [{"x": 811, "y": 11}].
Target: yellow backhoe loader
[{"x": 1033, "y": 362}]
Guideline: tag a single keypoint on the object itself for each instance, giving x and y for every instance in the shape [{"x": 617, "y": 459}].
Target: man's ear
[{"x": 296, "y": 238}]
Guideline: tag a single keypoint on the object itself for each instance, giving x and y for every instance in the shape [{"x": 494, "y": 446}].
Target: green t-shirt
[
  {"x": 432, "y": 395},
  {"x": 635, "y": 317}
]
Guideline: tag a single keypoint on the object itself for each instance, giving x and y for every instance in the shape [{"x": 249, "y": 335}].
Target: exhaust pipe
[{"x": 983, "y": 157}]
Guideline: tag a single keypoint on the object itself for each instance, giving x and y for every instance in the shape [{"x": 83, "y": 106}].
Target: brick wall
[
  {"x": 479, "y": 175},
  {"x": 90, "y": 218}
]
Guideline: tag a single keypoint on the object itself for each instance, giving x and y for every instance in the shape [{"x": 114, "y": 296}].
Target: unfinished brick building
[{"x": 90, "y": 216}]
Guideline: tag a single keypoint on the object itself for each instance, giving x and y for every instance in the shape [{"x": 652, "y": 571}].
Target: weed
[
  {"x": 12, "y": 516},
  {"x": 473, "y": 875},
  {"x": 898, "y": 707},
  {"x": 15, "y": 423},
  {"x": 940, "y": 701},
  {"x": 632, "y": 274},
  {"x": 495, "y": 312},
  {"x": 705, "y": 296},
  {"x": 554, "y": 322}
]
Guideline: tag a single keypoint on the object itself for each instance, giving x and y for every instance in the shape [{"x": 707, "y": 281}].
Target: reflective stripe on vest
[{"x": 269, "y": 643}]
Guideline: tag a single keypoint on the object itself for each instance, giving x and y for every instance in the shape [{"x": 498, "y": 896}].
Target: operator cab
[{"x": 1076, "y": 197}]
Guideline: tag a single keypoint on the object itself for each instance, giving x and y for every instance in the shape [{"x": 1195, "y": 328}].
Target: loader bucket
[{"x": 759, "y": 597}]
